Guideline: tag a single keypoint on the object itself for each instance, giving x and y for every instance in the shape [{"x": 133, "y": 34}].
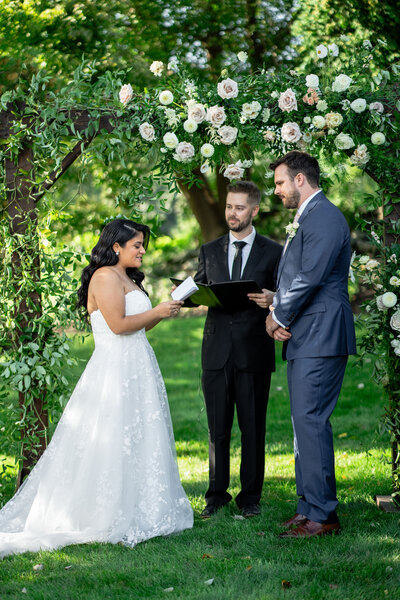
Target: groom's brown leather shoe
[
  {"x": 312, "y": 529},
  {"x": 297, "y": 519}
]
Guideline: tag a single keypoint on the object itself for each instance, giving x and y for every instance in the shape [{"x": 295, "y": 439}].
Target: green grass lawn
[{"x": 246, "y": 559}]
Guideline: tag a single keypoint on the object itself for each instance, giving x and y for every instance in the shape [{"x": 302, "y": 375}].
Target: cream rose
[
  {"x": 157, "y": 68},
  {"x": 147, "y": 132},
  {"x": 333, "y": 119},
  {"x": 378, "y": 138},
  {"x": 205, "y": 168},
  {"x": 166, "y": 97},
  {"x": 170, "y": 140},
  {"x": 395, "y": 281},
  {"x": 227, "y": 134},
  {"x": 395, "y": 321},
  {"x": 360, "y": 156},
  {"x": 343, "y": 141},
  {"x": 269, "y": 135},
  {"x": 341, "y": 83},
  {"x": 125, "y": 94},
  {"x": 371, "y": 264},
  {"x": 319, "y": 122},
  {"x": 312, "y": 81},
  {"x": 290, "y": 132},
  {"x": 358, "y": 105},
  {"x": 389, "y": 300},
  {"x": 376, "y": 106},
  {"x": 216, "y": 115},
  {"x": 184, "y": 152},
  {"x": 287, "y": 101},
  {"x": 251, "y": 109},
  {"x": 228, "y": 88},
  {"x": 233, "y": 171},
  {"x": 197, "y": 112}
]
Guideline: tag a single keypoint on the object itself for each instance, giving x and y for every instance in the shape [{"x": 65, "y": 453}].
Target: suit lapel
[
  {"x": 254, "y": 258},
  {"x": 222, "y": 260}
]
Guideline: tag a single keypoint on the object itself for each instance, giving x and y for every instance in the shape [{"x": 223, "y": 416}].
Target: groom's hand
[
  {"x": 263, "y": 300},
  {"x": 275, "y": 331}
]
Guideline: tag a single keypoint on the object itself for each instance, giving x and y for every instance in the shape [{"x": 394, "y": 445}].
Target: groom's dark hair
[
  {"x": 299, "y": 162},
  {"x": 246, "y": 187}
]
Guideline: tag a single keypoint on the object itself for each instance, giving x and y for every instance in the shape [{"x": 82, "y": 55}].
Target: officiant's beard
[{"x": 239, "y": 225}]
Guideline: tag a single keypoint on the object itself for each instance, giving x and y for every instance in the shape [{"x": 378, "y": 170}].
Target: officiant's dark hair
[
  {"x": 246, "y": 187},
  {"x": 117, "y": 231},
  {"x": 299, "y": 162}
]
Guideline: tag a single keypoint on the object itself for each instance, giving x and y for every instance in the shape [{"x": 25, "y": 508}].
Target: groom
[
  {"x": 311, "y": 314},
  {"x": 237, "y": 354}
]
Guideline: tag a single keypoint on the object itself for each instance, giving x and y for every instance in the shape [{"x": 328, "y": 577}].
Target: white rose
[
  {"x": 343, "y": 141},
  {"x": 318, "y": 122},
  {"x": 170, "y": 140},
  {"x": 243, "y": 119},
  {"x": 363, "y": 259},
  {"x": 394, "y": 281},
  {"x": 216, "y": 115},
  {"x": 228, "y": 88},
  {"x": 207, "y": 150},
  {"x": 190, "y": 126},
  {"x": 307, "y": 120},
  {"x": 287, "y": 101},
  {"x": 197, "y": 112},
  {"x": 389, "y": 300},
  {"x": 233, "y": 171},
  {"x": 360, "y": 156},
  {"x": 166, "y": 97},
  {"x": 242, "y": 56},
  {"x": 395, "y": 321},
  {"x": 321, "y": 51},
  {"x": 358, "y": 105},
  {"x": 379, "y": 303},
  {"x": 125, "y": 94},
  {"x": 227, "y": 134},
  {"x": 376, "y": 106},
  {"x": 378, "y": 138},
  {"x": 157, "y": 68},
  {"x": 307, "y": 137},
  {"x": 184, "y": 152},
  {"x": 322, "y": 105},
  {"x": 269, "y": 135},
  {"x": 290, "y": 132},
  {"x": 312, "y": 81},
  {"x": 371, "y": 264},
  {"x": 333, "y": 119},
  {"x": 251, "y": 109},
  {"x": 205, "y": 168},
  {"x": 341, "y": 83},
  {"x": 147, "y": 132},
  {"x": 333, "y": 50}
]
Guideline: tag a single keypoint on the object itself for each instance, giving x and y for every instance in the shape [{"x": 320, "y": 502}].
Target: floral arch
[{"x": 343, "y": 111}]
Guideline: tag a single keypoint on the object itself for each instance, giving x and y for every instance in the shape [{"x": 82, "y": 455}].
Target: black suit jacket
[{"x": 240, "y": 332}]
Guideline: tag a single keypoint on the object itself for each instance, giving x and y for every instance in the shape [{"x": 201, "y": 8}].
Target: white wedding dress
[{"x": 109, "y": 473}]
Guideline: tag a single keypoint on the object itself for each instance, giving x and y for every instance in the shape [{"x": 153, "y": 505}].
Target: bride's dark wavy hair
[{"x": 103, "y": 255}]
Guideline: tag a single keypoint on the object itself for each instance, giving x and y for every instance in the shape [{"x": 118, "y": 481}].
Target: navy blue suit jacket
[{"x": 312, "y": 297}]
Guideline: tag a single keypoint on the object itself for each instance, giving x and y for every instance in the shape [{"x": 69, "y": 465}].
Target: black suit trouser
[{"x": 223, "y": 389}]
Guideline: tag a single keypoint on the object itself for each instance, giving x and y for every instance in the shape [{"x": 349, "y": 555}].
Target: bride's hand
[{"x": 170, "y": 308}]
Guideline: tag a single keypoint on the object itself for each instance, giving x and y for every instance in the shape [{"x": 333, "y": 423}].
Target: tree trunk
[{"x": 23, "y": 220}]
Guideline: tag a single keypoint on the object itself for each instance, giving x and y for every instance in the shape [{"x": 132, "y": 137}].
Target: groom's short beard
[{"x": 292, "y": 200}]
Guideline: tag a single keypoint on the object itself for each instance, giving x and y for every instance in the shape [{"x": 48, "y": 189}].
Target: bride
[{"x": 109, "y": 473}]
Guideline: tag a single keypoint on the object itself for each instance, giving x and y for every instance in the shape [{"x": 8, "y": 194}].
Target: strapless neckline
[{"x": 127, "y": 294}]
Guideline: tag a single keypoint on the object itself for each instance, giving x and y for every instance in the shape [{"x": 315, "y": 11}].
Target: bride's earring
[{"x": 117, "y": 253}]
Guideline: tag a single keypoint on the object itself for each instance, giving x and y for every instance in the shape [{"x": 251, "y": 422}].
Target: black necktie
[{"x": 237, "y": 261}]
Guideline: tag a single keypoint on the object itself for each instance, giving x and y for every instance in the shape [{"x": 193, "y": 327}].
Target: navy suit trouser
[
  {"x": 314, "y": 387},
  {"x": 223, "y": 389}
]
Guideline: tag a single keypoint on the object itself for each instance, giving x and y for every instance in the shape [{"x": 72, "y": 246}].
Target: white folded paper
[{"x": 185, "y": 289}]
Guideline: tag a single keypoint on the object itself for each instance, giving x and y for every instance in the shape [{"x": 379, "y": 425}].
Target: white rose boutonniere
[{"x": 291, "y": 230}]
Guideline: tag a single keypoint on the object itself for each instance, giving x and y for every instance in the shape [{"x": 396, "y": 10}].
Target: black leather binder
[{"x": 228, "y": 295}]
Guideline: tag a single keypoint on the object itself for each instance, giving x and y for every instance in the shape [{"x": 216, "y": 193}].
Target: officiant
[{"x": 238, "y": 356}]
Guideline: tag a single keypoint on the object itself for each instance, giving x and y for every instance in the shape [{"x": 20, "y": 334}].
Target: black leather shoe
[
  {"x": 210, "y": 510},
  {"x": 251, "y": 510}
]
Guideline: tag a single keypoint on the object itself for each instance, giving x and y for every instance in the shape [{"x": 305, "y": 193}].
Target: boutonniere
[{"x": 291, "y": 229}]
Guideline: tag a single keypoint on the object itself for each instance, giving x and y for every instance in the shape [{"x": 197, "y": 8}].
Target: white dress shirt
[
  {"x": 300, "y": 211},
  {"x": 249, "y": 239}
]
